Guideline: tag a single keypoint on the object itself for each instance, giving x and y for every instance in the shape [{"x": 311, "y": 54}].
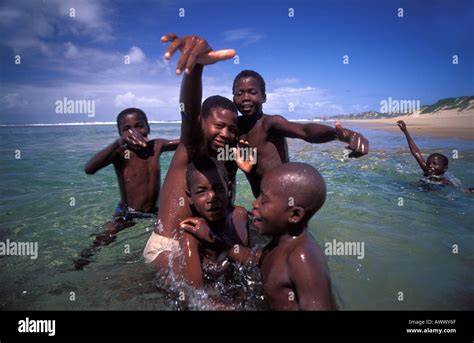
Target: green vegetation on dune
[{"x": 459, "y": 103}]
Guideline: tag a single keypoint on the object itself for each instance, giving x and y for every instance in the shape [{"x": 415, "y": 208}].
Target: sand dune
[{"x": 445, "y": 123}]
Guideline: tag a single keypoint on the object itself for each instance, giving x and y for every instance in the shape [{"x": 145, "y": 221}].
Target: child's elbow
[{"x": 89, "y": 170}]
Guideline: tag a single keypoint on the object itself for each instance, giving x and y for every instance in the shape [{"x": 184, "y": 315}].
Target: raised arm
[
  {"x": 195, "y": 53},
  {"x": 413, "y": 148},
  {"x": 317, "y": 133},
  {"x": 104, "y": 157}
]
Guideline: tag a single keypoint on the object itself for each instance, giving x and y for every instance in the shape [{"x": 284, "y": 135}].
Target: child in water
[
  {"x": 436, "y": 164},
  {"x": 294, "y": 270},
  {"x": 137, "y": 165}
]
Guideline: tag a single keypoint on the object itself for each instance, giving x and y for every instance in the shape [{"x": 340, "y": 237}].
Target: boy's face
[
  {"x": 435, "y": 166},
  {"x": 248, "y": 96},
  {"x": 134, "y": 121},
  {"x": 208, "y": 194},
  {"x": 220, "y": 128},
  {"x": 270, "y": 212}
]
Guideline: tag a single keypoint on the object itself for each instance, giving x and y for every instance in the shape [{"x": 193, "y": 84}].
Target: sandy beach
[{"x": 447, "y": 123}]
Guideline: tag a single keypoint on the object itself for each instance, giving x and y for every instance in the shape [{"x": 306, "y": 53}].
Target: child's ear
[
  {"x": 264, "y": 98},
  {"x": 296, "y": 214}
]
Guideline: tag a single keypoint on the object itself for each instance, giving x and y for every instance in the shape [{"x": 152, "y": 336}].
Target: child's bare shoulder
[{"x": 305, "y": 249}]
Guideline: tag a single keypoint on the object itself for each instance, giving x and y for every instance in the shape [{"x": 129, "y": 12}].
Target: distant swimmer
[{"x": 436, "y": 164}]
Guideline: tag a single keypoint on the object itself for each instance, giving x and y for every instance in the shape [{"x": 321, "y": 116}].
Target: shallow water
[{"x": 408, "y": 248}]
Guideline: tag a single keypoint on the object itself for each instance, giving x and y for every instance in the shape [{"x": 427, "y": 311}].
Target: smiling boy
[
  {"x": 226, "y": 224},
  {"x": 267, "y": 133},
  {"x": 294, "y": 270}
]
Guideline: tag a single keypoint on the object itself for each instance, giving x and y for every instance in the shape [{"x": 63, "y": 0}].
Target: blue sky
[{"x": 300, "y": 57}]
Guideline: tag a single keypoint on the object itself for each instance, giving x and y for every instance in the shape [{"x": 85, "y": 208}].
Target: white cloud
[
  {"x": 32, "y": 25},
  {"x": 283, "y": 82},
  {"x": 245, "y": 35},
  {"x": 13, "y": 100},
  {"x": 301, "y": 102},
  {"x": 71, "y": 50},
  {"x": 136, "y": 54},
  {"x": 131, "y": 100}
]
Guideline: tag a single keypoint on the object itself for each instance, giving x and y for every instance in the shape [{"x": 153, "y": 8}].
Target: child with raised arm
[
  {"x": 436, "y": 164},
  {"x": 294, "y": 269},
  {"x": 205, "y": 128}
]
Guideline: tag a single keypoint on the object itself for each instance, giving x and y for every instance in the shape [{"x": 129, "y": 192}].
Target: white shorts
[{"x": 157, "y": 244}]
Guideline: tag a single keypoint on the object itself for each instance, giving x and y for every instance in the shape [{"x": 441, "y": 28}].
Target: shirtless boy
[
  {"x": 268, "y": 133},
  {"x": 203, "y": 131},
  {"x": 225, "y": 224},
  {"x": 294, "y": 270},
  {"x": 137, "y": 165}
]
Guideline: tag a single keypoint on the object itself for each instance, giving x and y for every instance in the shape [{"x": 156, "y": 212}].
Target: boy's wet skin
[
  {"x": 267, "y": 133},
  {"x": 200, "y": 135},
  {"x": 136, "y": 163},
  {"x": 224, "y": 224},
  {"x": 294, "y": 270}
]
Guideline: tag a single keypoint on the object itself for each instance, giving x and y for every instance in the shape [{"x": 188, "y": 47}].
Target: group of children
[{"x": 199, "y": 228}]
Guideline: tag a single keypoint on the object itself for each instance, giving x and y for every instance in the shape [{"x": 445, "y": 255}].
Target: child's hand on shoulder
[{"x": 198, "y": 228}]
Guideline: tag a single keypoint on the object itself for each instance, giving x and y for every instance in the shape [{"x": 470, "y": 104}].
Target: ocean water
[{"x": 416, "y": 256}]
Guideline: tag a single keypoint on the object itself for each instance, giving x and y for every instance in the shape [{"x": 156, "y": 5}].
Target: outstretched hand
[
  {"x": 193, "y": 50},
  {"x": 356, "y": 141},
  {"x": 401, "y": 124}
]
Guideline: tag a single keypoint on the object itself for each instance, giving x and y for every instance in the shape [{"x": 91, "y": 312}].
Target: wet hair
[
  {"x": 444, "y": 160},
  {"x": 303, "y": 183},
  {"x": 204, "y": 164},
  {"x": 217, "y": 101},
  {"x": 130, "y": 111},
  {"x": 250, "y": 73}
]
